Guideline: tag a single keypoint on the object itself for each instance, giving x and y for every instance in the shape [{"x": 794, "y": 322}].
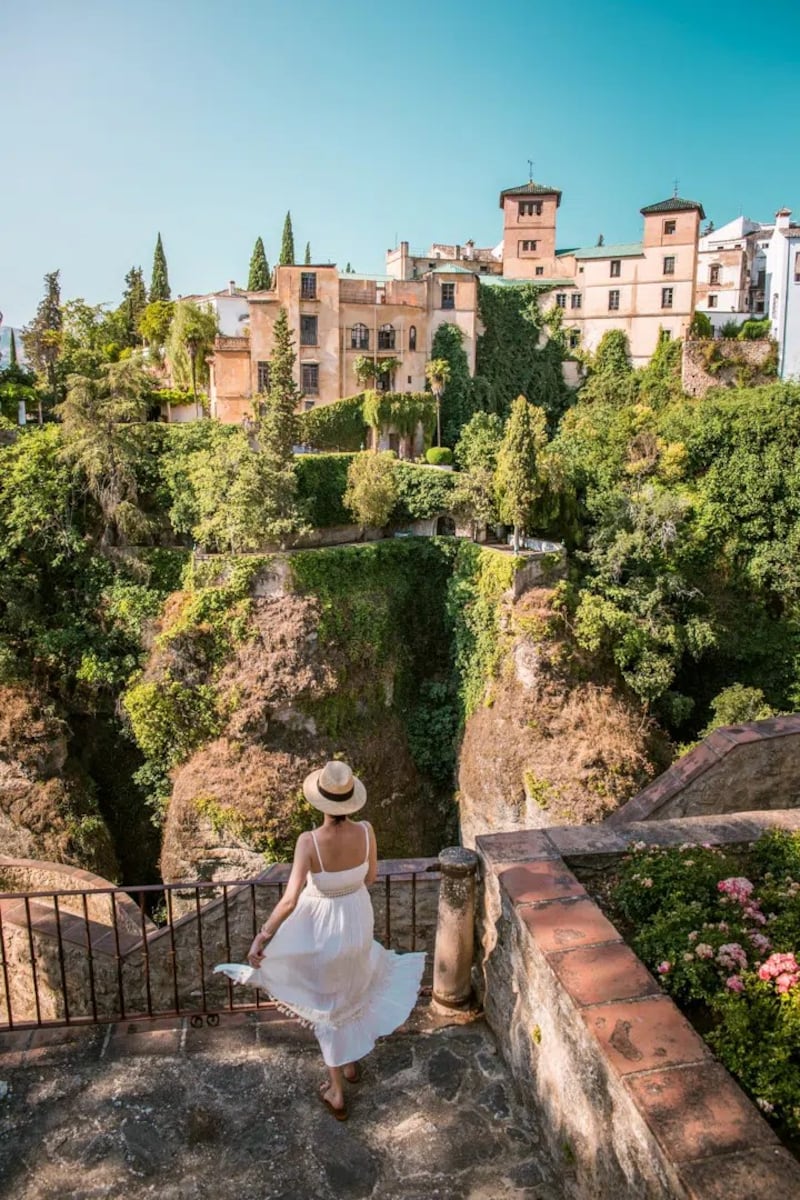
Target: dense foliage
[
  {"x": 457, "y": 398},
  {"x": 258, "y": 279},
  {"x": 722, "y": 929},
  {"x": 337, "y": 426}
]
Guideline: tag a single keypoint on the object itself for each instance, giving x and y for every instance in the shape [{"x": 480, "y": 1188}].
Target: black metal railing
[{"x": 76, "y": 957}]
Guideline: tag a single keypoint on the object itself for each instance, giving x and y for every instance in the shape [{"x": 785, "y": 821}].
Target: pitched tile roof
[
  {"x": 531, "y": 189},
  {"x": 674, "y": 204},
  {"x": 615, "y": 250}
]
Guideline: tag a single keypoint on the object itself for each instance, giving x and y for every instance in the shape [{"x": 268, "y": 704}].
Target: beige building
[
  {"x": 336, "y": 319},
  {"x": 640, "y": 288}
]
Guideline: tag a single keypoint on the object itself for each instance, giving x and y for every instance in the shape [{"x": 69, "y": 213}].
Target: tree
[
  {"x": 437, "y": 373},
  {"x": 12, "y": 350},
  {"x": 371, "y": 491},
  {"x": 134, "y": 302},
  {"x": 159, "y": 280},
  {"x": 259, "y": 278},
  {"x": 611, "y": 378},
  {"x": 287, "y": 243},
  {"x": 307, "y": 260},
  {"x": 98, "y": 416},
  {"x": 457, "y": 400},
  {"x": 42, "y": 338},
  {"x": 480, "y": 442},
  {"x": 516, "y": 481},
  {"x": 190, "y": 342},
  {"x": 155, "y": 321}
]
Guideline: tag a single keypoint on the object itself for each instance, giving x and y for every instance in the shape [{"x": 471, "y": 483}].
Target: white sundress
[{"x": 324, "y": 966}]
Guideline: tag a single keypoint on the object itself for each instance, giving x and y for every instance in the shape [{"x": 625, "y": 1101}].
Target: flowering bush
[{"x": 722, "y": 928}]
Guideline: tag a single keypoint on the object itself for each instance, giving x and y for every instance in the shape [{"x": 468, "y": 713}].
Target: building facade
[{"x": 640, "y": 288}]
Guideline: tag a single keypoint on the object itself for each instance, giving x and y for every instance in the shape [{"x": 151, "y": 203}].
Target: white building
[
  {"x": 783, "y": 292},
  {"x": 731, "y": 271}
]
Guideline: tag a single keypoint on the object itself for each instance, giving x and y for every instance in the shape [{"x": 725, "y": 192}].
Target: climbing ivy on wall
[
  {"x": 509, "y": 360},
  {"x": 475, "y": 591},
  {"x": 337, "y": 426}
]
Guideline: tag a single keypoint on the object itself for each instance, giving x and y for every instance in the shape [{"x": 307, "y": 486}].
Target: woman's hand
[{"x": 256, "y": 952}]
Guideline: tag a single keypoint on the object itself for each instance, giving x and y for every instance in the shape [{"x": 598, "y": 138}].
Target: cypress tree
[
  {"x": 12, "y": 350},
  {"x": 308, "y": 254},
  {"x": 517, "y": 478},
  {"x": 287, "y": 243},
  {"x": 134, "y": 302},
  {"x": 258, "y": 280},
  {"x": 159, "y": 282},
  {"x": 280, "y": 427}
]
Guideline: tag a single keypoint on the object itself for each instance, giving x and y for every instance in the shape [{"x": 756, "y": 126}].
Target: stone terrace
[{"x": 162, "y": 1109}]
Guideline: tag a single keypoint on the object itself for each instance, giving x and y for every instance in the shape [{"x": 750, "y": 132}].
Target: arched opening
[
  {"x": 359, "y": 337},
  {"x": 386, "y": 337},
  {"x": 412, "y": 338}
]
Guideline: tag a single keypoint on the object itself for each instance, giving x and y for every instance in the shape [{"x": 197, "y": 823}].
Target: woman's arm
[
  {"x": 287, "y": 903},
  {"x": 372, "y": 873}
]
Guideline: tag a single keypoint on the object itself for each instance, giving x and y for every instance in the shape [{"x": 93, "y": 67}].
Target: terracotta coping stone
[
  {"x": 709, "y": 1131},
  {"x": 694, "y": 764}
]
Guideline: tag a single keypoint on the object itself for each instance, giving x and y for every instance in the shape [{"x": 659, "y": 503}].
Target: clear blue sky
[{"x": 207, "y": 119}]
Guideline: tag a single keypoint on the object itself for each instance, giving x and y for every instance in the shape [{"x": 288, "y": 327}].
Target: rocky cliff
[
  {"x": 48, "y": 808},
  {"x": 547, "y": 744}
]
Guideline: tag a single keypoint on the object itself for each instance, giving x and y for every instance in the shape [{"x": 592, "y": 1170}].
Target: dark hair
[{"x": 337, "y": 820}]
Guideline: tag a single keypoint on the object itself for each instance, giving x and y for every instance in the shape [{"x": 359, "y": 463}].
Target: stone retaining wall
[
  {"x": 171, "y": 968},
  {"x": 629, "y": 1093},
  {"x": 737, "y": 768},
  {"x": 726, "y": 362}
]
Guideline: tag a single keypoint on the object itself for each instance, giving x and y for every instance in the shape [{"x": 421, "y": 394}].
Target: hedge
[
  {"x": 337, "y": 426},
  {"x": 321, "y": 482}
]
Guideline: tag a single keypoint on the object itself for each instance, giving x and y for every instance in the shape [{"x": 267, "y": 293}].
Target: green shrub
[
  {"x": 754, "y": 331},
  {"x": 321, "y": 483},
  {"x": 701, "y": 326},
  {"x": 421, "y": 493},
  {"x": 401, "y": 411},
  {"x": 337, "y": 426},
  {"x": 730, "y": 329},
  {"x": 439, "y": 456}
]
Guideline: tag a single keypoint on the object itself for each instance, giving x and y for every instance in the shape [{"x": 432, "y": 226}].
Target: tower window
[
  {"x": 527, "y": 246},
  {"x": 530, "y": 208},
  {"x": 613, "y": 301},
  {"x": 670, "y": 227},
  {"x": 448, "y": 295},
  {"x": 616, "y": 268},
  {"x": 540, "y": 270},
  {"x": 308, "y": 285},
  {"x": 412, "y": 338},
  {"x": 666, "y": 297},
  {"x": 669, "y": 264}
]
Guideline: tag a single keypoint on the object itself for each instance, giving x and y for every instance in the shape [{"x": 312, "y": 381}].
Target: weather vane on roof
[
  {"x": 675, "y": 191},
  {"x": 530, "y": 170}
]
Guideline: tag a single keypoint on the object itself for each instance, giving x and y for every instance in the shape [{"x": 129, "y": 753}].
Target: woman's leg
[
  {"x": 352, "y": 1072},
  {"x": 334, "y": 1092}
]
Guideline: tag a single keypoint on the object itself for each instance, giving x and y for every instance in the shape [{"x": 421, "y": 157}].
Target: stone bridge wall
[{"x": 737, "y": 768}]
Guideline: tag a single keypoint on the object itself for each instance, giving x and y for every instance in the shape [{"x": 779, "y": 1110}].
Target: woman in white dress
[{"x": 316, "y": 955}]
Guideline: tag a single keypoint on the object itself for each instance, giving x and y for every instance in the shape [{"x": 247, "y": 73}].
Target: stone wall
[
  {"x": 726, "y": 362},
  {"x": 629, "y": 1093},
  {"x": 79, "y": 967},
  {"x": 735, "y": 769}
]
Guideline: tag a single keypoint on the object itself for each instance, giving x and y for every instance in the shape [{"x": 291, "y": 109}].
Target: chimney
[
  {"x": 782, "y": 217},
  {"x": 232, "y": 287}
]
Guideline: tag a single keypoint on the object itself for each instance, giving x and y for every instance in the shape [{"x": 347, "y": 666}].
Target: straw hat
[{"x": 335, "y": 790}]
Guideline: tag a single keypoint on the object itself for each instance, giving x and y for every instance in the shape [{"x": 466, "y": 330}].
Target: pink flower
[
  {"x": 664, "y": 967},
  {"x": 648, "y": 883},
  {"x": 734, "y": 983},
  {"x": 736, "y": 887},
  {"x": 765, "y": 1105},
  {"x": 732, "y": 957},
  {"x": 693, "y": 936},
  {"x": 784, "y": 982},
  {"x": 703, "y": 950},
  {"x": 783, "y": 969},
  {"x": 688, "y": 957}
]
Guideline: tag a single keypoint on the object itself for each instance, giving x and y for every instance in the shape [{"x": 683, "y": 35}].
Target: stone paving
[{"x": 178, "y": 1113}]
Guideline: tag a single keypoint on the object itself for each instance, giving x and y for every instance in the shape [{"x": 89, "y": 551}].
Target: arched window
[
  {"x": 412, "y": 338},
  {"x": 359, "y": 337},
  {"x": 386, "y": 337}
]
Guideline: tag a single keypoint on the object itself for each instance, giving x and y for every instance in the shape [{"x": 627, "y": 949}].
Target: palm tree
[{"x": 437, "y": 372}]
